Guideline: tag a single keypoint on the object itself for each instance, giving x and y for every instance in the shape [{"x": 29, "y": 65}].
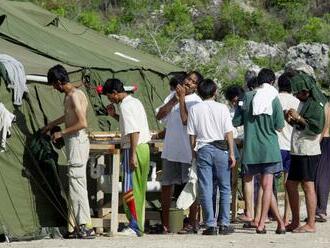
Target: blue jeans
[{"x": 212, "y": 163}]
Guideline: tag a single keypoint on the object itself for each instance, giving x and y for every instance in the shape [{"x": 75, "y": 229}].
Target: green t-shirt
[{"x": 260, "y": 138}]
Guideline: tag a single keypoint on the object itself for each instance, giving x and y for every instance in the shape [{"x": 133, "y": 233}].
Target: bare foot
[
  {"x": 245, "y": 218},
  {"x": 305, "y": 229}
]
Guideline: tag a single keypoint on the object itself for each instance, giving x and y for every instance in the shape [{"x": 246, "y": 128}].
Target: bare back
[{"x": 75, "y": 108}]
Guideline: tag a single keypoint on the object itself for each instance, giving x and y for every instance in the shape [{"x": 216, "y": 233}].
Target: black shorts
[{"x": 303, "y": 168}]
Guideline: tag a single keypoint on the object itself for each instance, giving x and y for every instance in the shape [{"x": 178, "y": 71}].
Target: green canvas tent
[{"x": 40, "y": 40}]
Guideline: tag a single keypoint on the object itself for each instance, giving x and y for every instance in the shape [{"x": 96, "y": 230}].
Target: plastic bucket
[{"x": 175, "y": 220}]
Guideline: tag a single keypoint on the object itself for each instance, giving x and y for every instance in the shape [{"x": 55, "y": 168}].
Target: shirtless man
[{"x": 77, "y": 149}]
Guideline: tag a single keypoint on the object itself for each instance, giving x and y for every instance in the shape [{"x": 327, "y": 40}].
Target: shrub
[
  {"x": 316, "y": 30},
  {"x": 204, "y": 28},
  {"x": 255, "y": 25},
  {"x": 112, "y": 26},
  {"x": 91, "y": 19}
]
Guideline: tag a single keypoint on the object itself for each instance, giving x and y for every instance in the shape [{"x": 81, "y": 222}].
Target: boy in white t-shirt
[
  {"x": 211, "y": 133},
  {"x": 288, "y": 101},
  {"x": 135, "y": 136}
]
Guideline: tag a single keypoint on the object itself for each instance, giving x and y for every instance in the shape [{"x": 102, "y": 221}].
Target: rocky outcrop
[
  {"x": 125, "y": 40},
  {"x": 255, "y": 49},
  {"x": 312, "y": 58},
  {"x": 315, "y": 55}
]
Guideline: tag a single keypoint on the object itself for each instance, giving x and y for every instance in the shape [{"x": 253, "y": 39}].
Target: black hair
[
  {"x": 206, "y": 88},
  {"x": 198, "y": 75},
  {"x": 177, "y": 79},
  {"x": 252, "y": 83},
  {"x": 57, "y": 73},
  {"x": 233, "y": 91},
  {"x": 284, "y": 83},
  {"x": 266, "y": 76},
  {"x": 113, "y": 84}
]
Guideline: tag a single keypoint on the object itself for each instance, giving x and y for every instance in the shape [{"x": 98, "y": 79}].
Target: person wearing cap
[{"x": 135, "y": 136}]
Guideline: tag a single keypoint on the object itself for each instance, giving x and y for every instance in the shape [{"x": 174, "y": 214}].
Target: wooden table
[{"x": 111, "y": 148}]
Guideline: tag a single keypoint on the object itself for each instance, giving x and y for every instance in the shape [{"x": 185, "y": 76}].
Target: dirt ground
[{"x": 242, "y": 238}]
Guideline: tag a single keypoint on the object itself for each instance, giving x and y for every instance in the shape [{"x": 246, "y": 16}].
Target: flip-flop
[
  {"x": 243, "y": 218},
  {"x": 320, "y": 218},
  {"x": 249, "y": 225},
  {"x": 302, "y": 230},
  {"x": 263, "y": 231}
]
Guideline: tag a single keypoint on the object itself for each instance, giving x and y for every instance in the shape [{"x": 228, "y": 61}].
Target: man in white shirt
[
  {"x": 135, "y": 136},
  {"x": 288, "y": 101},
  {"x": 176, "y": 152},
  {"x": 211, "y": 133}
]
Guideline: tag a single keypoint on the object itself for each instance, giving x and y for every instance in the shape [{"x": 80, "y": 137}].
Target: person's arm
[
  {"x": 134, "y": 138},
  {"x": 112, "y": 112},
  {"x": 278, "y": 115},
  {"x": 193, "y": 145},
  {"x": 52, "y": 124},
  {"x": 230, "y": 140},
  {"x": 181, "y": 92},
  {"x": 166, "y": 109},
  {"x": 326, "y": 129}
]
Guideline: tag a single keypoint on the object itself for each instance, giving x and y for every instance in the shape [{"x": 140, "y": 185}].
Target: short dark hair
[
  {"x": 177, "y": 79},
  {"x": 57, "y": 73},
  {"x": 266, "y": 76},
  {"x": 206, "y": 88},
  {"x": 198, "y": 75},
  {"x": 252, "y": 83},
  {"x": 113, "y": 84},
  {"x": 284, "y": 83},
  {"x": 233, "y": 91}
]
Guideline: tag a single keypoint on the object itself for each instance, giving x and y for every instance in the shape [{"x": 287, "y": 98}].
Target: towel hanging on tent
[
  {"x": 6, "y": 118},
  {"x": 16, "y": 75}
]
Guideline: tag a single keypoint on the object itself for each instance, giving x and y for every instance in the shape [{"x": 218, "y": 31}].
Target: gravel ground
[{"x": 242, "y": 238}]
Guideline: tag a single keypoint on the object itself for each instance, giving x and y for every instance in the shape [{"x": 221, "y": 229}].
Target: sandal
[
  {"x": 249, "y": 225},
  {"x": 320, "y": 218},
  {"x": 263, "y": 231},
  {"x": 189, "y": 229}
]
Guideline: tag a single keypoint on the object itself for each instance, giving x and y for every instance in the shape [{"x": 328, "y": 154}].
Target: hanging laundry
[
  {"x": 16, "y": 76},
  {"x": 6, "y": 118}
]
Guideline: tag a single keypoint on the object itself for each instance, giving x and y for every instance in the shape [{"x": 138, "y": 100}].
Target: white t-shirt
[
  {"x": 132, "y": 119},
  {"x": 284, "y": 138},
  {"x": 209, "y": 121},
  {"x": 176, "y": 143},
  {"x": 303, "y": 144},
  {"x": 167, "y": 99}
]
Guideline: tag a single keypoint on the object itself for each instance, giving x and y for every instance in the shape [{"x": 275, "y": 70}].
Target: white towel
[
  {"x": 262, "y": 102},
  {"x": 16, "y": 74},
  {"x": 190, "y": 191},
  {"x": 6, "y": 118}
]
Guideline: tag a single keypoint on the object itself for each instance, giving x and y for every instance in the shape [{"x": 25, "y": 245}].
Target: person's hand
[
  {"x": 56, "y": 136},
  {"x": 133, "y": 162},
  {"x": 293, "y": 114},
  {"x": 111, "y": 110},
  {"x": 180, "y": 91},
  {"x": 232, "y": 161},
  {"x": 46, "y": 128}
]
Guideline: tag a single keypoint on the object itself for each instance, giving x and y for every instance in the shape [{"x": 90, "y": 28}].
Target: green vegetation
[{"x": 160, "y": 24}]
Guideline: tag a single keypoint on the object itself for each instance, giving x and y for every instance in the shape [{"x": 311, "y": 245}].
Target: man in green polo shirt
[{"x": 262, "y": 115}]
